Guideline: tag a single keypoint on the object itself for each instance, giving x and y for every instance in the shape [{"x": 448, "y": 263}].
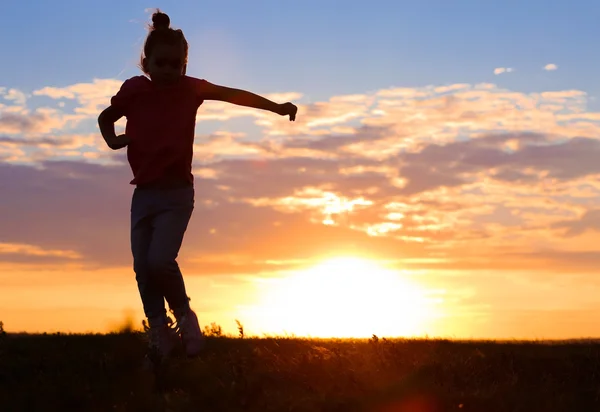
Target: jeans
[{"x": 159, "y": 219}]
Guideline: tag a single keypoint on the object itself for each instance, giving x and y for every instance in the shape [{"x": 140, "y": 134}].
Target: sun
[{"x": 344, "y": 297}]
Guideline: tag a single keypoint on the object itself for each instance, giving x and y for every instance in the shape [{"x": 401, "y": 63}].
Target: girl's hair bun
[{"x": 160, "y": 21}]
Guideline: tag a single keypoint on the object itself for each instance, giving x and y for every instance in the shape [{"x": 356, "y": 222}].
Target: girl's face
[{"x": 166, "y": 63}]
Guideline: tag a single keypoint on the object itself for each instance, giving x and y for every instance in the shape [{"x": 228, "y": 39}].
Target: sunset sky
[{"x": 442, "y": 176}]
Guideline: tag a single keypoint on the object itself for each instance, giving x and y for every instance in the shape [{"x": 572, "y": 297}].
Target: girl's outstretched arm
[{"x": 209, "y": 91}]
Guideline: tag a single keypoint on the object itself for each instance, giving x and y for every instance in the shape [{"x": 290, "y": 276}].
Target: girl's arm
[
  {"x": 209, "y": 91},
  {"x": 106, "y": 122}
]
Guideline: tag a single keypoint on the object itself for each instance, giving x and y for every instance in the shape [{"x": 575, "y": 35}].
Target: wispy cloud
[
  {"x": 28, "y": 252},
  {"x": 15, "y": 95},
  {"x": 500, "y": 70},
  {"x": 550, "y": 67}
]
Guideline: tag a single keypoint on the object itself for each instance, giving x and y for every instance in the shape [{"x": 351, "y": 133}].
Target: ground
[{"x": 105, "y": 373}]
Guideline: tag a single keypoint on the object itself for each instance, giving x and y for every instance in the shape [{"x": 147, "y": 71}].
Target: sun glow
[{"x": 345, "y": 297}]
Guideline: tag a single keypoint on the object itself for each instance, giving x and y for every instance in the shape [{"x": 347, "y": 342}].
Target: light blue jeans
[{"x": 159, "y": 219}]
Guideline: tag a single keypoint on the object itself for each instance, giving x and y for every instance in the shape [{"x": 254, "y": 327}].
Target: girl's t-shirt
[{"x": 161, "y": 123}]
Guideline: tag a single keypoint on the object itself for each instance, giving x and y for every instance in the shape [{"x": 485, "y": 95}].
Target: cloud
[
  {"x": 59, "y": 141},
  {"x": 451, "y": 195},
  {"x": 550, "y": 67},
  {"x": 537, "y": 157},
  {"x": 59, "y": 206},
  {"x": 453, "y": 176},
  {"x": 588, "y": 221},
  {"x": 407, "y": 120},
  {"x": 34, "y": 149},
  {"x": 500, "y": 70},
  {"x": 86, "y": 204},
  {"x": 15, "y": 95},
  {"x": 92, "y": 97},
  {"x": 15, "y": 252},
  {"x": 18, "y": 123},
  {"x": 16, "y": 120},
  {"x": 411, "y": 117}
]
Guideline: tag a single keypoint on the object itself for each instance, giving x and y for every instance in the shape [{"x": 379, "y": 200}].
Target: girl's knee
[{"x": 160, "y": 265}]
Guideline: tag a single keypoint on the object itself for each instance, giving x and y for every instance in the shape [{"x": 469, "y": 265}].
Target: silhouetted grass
[{"x": 104, "y": 373}]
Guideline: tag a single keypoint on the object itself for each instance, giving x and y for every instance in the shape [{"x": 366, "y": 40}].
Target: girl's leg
[
  {"x": 169, "y": 226},
  {"x": 141, "y": 238}
]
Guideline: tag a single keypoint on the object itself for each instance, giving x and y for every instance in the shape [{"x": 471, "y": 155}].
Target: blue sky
[{"x": 319, "y": 47}]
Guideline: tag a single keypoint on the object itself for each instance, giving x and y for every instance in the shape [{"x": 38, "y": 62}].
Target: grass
[{"x": 104, "y": 373}]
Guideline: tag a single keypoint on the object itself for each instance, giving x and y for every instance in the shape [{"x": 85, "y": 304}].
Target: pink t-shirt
[{"x": 161, "y": 124}]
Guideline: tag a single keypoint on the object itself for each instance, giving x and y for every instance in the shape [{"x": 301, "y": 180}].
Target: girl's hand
[
  {"x": 119, "y": 142},
  {"x": 286, "y": 109}
]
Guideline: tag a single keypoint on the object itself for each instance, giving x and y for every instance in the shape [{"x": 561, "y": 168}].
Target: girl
[{"x": 161, "y": 117}]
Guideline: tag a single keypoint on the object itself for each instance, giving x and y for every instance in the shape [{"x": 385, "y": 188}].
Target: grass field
[{"x": 104, "y": 373}]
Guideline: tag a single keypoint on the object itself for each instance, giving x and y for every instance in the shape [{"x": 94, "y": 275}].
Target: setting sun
[{"x": 344, "y": 297}]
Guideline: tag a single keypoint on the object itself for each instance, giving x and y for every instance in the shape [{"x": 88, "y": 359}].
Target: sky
[{"x": 441, "y": 178}]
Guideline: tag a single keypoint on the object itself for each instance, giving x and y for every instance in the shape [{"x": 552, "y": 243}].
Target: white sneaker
[{"x": 191, "y": 336}]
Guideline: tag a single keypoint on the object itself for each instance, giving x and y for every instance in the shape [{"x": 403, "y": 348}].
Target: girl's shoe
[
  {"x": 162, "y": 341},
  {"x": 191, "y": 336}
]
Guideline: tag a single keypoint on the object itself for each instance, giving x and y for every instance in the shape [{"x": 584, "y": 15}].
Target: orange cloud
[{"x": 35, "y": 251}]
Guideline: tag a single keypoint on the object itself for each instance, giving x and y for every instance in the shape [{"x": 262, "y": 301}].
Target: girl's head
[{"x": 165, "y": 51}]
